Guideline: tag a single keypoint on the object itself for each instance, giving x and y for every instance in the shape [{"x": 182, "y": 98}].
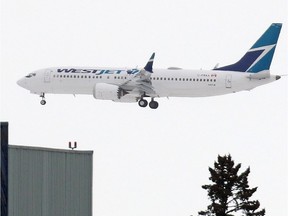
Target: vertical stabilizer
[{"x": 260, "y": 55}]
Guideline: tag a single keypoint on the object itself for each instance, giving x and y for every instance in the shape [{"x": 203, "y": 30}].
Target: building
[
  {"x": 49, "y": 182},
  {"x": 43, "y": 181}
]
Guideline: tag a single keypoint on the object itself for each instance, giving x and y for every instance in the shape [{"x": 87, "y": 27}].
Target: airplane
[{"x": 135, "y": 85}]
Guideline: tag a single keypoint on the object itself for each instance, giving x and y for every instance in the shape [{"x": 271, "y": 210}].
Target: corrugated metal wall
[{"x": 45, "y": 182}]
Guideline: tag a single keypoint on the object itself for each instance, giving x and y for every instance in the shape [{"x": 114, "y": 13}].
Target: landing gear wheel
[
  {"x": 142, "y": 103},
  {"x": 43, "y": 102},
  {"x": 153, "y": 104}
]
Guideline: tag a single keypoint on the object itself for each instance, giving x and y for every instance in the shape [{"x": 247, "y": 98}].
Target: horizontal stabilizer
[
  {"x": 174, "y": 68},
  {"x": 260, "y": 75}
]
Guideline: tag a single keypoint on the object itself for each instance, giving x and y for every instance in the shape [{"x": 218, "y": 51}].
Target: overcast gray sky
[{"x": 150, "y": 162}]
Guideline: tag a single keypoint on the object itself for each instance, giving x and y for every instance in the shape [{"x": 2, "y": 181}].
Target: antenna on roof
[{"x": 74, "y": 146}]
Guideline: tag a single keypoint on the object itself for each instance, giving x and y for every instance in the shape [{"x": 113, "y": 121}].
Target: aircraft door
[
  {"x": 47, "y": 76},
  {"x": 228, "y": 81}
]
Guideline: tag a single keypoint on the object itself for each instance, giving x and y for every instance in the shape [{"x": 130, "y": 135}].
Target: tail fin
[{"x": 260, "y": 55}]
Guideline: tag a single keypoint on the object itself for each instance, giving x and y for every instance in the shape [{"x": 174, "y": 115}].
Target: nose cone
[{"x": 22, "y": 82}]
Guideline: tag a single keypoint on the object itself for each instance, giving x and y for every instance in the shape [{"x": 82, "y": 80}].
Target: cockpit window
[{"x": 31, "y": 75}]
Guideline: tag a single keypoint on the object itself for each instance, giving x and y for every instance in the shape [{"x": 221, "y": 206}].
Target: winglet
[{"x": 149, "y": 65}]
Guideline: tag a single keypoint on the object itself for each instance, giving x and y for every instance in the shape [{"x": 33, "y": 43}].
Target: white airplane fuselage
[
  {"x": 166, "y": 82},
  {"x": 133, "y": 85}
]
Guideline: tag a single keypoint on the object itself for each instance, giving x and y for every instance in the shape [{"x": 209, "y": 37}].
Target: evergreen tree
[{"x": 230, "y": 192}]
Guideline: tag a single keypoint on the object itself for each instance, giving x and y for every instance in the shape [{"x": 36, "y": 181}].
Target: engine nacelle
[{"x": 106, "y": 91}]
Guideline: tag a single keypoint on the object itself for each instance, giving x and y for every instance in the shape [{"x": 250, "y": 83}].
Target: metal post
[{"x": 4, "y": 168}]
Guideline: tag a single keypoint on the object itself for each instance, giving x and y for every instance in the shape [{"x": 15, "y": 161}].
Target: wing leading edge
[{"x": 140, "y": 84}]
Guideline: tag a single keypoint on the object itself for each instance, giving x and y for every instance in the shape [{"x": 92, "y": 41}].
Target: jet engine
[{"x": 106, "y": 91}]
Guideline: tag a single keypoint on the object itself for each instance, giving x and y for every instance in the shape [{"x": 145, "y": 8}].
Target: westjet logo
[
  {"x": 96, "y": 71},
  {"x": 261, "y": 52}
]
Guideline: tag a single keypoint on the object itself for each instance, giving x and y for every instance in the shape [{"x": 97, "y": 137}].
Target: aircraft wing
[{"x": 140, "y": 84}]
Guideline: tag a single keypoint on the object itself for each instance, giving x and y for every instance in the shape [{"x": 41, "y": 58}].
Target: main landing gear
[
  {"x": 43, "y": 101},
  {"x": 153, "y": 104}
]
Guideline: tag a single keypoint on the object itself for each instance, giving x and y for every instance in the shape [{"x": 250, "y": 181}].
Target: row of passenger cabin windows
[
  {"x": 86, "y": 77},
  {"x": 183, "y": 79},
  {"x": 121, "y": 77}
]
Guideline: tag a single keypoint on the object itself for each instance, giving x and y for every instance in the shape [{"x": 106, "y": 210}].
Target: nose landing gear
[{"x": 43, "y": 101}]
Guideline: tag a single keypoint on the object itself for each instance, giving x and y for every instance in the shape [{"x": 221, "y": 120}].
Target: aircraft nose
[{"x": 22, "y": 82}]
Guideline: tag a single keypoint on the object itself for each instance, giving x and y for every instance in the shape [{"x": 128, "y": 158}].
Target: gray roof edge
[{"x": 50, "y": 149}]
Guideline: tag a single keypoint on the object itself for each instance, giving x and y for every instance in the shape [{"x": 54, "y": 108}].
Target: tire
[
  {"x": 153, "y": 104},
  {"x": 142, "y": 103},
  {"x": 42, "y": 102}
]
